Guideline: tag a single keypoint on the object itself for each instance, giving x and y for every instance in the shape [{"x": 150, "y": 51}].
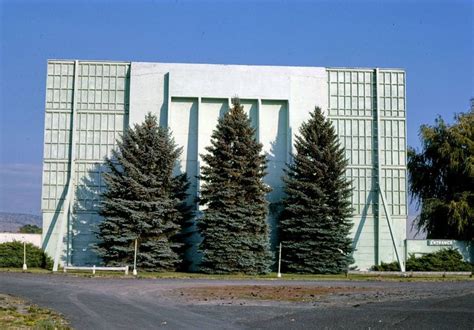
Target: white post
[
  {"x": 24, "y": 254},
  {"x": 93, "y": 270},
  {"x": 135, "y": 258},
  {"x": 126, "y": 270},
  {"x": 279, "y": 263},
  {"x": 379, "y": 167}
]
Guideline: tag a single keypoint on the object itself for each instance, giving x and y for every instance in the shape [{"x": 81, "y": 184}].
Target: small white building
[
  {"x": 89, "y": 103},
  {"x": 34, "y": 239}
]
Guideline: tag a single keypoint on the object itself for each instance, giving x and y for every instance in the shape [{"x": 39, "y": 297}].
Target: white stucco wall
[
  {"x": 154, "y": 84},
  {"x": 34, "y": 239},
  {"x": 189, "y": 99}
]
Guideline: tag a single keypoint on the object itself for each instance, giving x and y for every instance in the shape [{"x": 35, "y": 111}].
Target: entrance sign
[{"x": 440, "y": 242}]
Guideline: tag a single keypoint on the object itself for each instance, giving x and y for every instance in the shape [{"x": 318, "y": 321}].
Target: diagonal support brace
[{"x": 392, "y": 234}]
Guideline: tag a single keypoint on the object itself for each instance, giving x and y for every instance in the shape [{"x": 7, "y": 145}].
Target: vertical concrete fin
[
  {"x": 381, "y": 193},
  {"x": 68, "y": 201}
]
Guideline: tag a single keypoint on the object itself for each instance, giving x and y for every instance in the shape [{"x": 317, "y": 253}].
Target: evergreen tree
[
  {"x": 314, "y": 224},
  {"x": 183, "y": 238},
  {"x": 143, "y": 200},
  {"x": 234, "y": 228}
]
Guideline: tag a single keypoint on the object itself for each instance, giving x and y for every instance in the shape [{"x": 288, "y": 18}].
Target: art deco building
[{"x": 89, "y": 103}]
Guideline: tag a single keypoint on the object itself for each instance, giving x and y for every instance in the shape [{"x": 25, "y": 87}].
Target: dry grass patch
[
  {"x": 16, "y": 313},
  {"x": 263, "y": 292}
]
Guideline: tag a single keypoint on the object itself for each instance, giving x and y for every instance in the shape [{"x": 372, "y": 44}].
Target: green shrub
[
  {"x": 30, "y": 229},
  {"x": 448, "y": 260},
  {"x": 11, "y": 255},
  {"x": 386, "y": 267}
]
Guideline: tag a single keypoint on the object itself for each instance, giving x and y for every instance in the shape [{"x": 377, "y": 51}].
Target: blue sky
[{"x": 431, "y": 40}]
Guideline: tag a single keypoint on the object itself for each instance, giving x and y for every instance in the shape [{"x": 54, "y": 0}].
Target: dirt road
[{"x": 104, "y": 303}]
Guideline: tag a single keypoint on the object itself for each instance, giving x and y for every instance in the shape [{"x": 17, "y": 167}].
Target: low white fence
[
  {"x": 407, "y": 274},
  {"x": 94, "y": 268}
]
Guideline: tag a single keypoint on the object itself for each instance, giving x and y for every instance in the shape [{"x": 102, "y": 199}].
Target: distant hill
[{"x": 11, "y": 222}]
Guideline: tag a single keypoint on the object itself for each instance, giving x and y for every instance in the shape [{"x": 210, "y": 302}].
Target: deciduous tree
[{"x": 442, "y": 178}]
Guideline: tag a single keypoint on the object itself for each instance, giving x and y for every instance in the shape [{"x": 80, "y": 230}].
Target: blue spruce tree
[
  {"x": 234, "y": 227},
  {"x": 314, "y": 224},
  {"x": 144, "y": 201}
]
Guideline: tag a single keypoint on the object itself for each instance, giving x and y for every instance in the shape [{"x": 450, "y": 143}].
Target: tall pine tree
[
  {"x": 314, "y": 224},
  {"x": 234, "y": 228},
  {"x": 143, "y": 200}
]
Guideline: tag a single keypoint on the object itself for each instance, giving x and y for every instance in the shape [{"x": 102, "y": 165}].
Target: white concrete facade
[
  {"x": 34, "y": 239},
  {"x": 367, "y": 107}
]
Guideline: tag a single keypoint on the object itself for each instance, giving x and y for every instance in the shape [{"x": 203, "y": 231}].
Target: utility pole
[
  {"x": 135, "y": 258},
  {"x": 24, "y": 255},
  {"x": 279, "y": 263}
]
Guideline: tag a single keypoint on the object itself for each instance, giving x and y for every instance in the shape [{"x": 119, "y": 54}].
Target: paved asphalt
[{"x": 101, "y": 303}]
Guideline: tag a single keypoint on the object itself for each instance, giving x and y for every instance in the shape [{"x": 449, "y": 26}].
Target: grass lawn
[{"x": 16, "y": 313}]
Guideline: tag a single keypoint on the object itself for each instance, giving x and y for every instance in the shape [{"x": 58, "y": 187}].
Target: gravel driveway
[{"x": 104, "y": 303}]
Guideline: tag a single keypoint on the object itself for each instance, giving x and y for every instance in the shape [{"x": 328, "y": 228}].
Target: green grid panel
[
  {"x": 89, "y": 186},
  {"x": 102, "y": 116},
  {"x": 54, "y": 184},
  {"x": 59, "y": 85},
  {"x": 57, "y": 136},
  {"x": 58, "y": 103},
  {"x": 394, "y": 184},
  {"x": 392, "y": 94},
  {"x": 103, "y": 86},
  {"x": 393, "y": 142},
  {"x": 351, "y": 93},
  {"x": 364, "y": 193},
  {"x": 357, "y": 137},
  {"x": 97, "y": 134}
]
